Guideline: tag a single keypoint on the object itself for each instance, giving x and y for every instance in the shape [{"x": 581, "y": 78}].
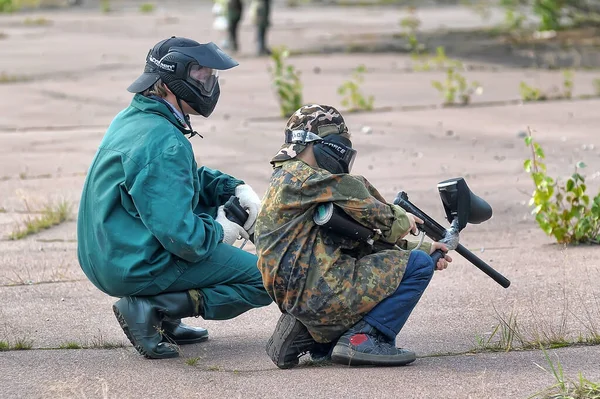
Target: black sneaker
[
  {"x": 362, "y": 345},
  {"x": 289, "y": 342}
]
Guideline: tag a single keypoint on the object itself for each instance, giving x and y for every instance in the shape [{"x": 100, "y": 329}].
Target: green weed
[
  {"x": 51, "y": 215},
  {"x": 353, "y": 97},
  {"x": 286, "y": 81},
  {"x": 562, "y": 210}
]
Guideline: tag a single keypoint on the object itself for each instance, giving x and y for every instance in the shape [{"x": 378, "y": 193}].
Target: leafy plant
[
  {"x": 568, "y": 83},
  {"x": 563, "y": 211},
  {"x": 410, "y": 25},
  {"x": 354, "y": 99},
  {"x": 105, "y": 6},
  {"x": 8, "y": 6},
  {"x": 439, "y": 61},
  {"x": 597, "y": 86},
  {"x": 550, "y": 13},
  {"x": 530, "y": 93},
  {"x": 513, "y": 14},
  {"x": 146, "y": 8},
  {"x": 286, "y": 81},
  {"x": 456, "y": 88}
]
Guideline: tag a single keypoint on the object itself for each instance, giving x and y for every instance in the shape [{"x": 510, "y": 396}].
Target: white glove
[
  {"x": 231, "y": 231},
  {"x": 250, "y": 202}
]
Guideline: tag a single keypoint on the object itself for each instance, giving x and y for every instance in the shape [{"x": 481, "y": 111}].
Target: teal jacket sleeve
[
  {"x": 215, "y": 187},
  {"x": 163, "y": 194}
]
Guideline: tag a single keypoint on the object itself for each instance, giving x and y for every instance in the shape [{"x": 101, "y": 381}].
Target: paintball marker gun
[
  {"x": 460, "y": 205},
  {"x": 237, "y": 214}
]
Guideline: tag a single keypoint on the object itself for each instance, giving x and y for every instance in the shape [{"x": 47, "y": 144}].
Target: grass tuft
[
  {"x": 39, "y": 21},
  {"x": 70, "y": 345},
  {"x": 192, "y": 361},
  {"x": 22, "y": 344},
  {"x": 52, "y": 215},
  {"x": 8, "y": 78},
  {"x": 565, "y": 388}
]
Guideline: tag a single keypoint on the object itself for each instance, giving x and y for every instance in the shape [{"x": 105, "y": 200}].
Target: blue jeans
[
  {"x": 390, "y": 315},
  {"x": 229, "y": 281}
]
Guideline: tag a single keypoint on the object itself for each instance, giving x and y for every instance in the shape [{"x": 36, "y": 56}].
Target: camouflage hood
[{"x": 321, "y": 120}]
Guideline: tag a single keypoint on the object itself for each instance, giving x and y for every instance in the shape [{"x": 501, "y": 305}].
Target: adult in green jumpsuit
[{"x": 151, "y": 227}]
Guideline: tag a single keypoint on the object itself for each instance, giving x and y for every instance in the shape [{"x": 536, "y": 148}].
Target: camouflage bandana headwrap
[{"x": 321, "y": 120}]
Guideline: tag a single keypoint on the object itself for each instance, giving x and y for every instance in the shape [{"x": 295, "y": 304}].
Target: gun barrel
[{"x": 484, "y": 267}]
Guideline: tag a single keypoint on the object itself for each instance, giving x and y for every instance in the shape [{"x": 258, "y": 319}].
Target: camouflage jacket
[{"x": 323, "y": 280}]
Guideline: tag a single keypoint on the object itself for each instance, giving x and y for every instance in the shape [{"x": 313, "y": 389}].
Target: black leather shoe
[
  {"x": 182, "y": 334},
  {"x": 141, "y": 319}
]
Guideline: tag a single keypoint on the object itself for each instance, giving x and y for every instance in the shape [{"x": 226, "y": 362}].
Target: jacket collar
[{"x": 150, "y": 105}]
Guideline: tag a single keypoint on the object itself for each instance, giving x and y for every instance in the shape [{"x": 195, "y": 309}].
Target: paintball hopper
[{"x": 461, "y": 203}]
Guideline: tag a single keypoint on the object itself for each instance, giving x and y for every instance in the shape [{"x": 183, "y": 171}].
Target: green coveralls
[{"x": 146, "y": 218}]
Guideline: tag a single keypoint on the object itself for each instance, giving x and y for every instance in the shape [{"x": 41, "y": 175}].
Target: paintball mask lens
[{"x": 204, "y": 79}]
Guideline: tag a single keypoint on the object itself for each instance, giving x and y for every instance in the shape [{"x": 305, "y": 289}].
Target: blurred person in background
[{"x": 260, "y": 11}]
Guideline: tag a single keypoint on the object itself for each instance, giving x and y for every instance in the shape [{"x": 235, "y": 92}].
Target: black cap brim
[{"x": 143, "y": 82}]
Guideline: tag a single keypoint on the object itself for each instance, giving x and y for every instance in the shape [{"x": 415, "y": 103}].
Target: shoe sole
[
  {"x": 131, "y": 339},
  {"x": 185, "y": 341},
  {"x": 349, "y": 357},
  {"x": 285, "y": 332}
]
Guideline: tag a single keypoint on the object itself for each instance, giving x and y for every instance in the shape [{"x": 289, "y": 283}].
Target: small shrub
[
  {"x": 286, "y": 81},
  {"x": 8, "y": 6},
  {"x": 550, "y": 13},
  {"x": 568, "y": 83},
  {"x": 530, "y": 93},
  {"x": 353, "y": 98},
  {"x": 105, "y": 6},
  {"x": 410, "y": 26},
  {"x": 147, "y": 7},
  {"x": 4, "y": 346},
  {"x": 597, "y": 87},
  {"x": 455, "y": 89},
  {"x": 439, "y": 61},
  {"x": 513, "y": 15},
  {"x": 563, "y": 211}
]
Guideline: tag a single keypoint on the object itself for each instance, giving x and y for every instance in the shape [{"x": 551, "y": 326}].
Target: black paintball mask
[
  {"x": 192, "y": 74},
  {"x": 189, "y": 69},
  {"x": 333, "y": 153}
]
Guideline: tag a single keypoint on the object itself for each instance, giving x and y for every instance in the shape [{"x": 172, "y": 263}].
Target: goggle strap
[{"x": 301, "y": 137}]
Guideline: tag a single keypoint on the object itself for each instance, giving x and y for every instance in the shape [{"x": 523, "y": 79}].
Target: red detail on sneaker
[{"x": 358, "y": 339}]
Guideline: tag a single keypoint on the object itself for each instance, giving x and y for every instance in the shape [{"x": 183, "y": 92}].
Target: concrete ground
[{"x": 73, "y": 74}]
